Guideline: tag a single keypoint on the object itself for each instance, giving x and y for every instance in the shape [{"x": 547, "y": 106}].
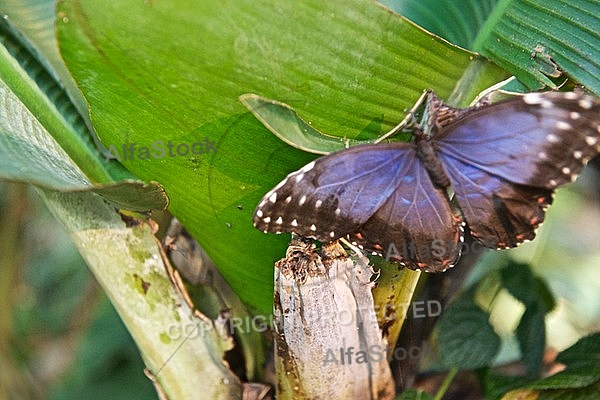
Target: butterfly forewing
[
  {"x": 540, "y": 139},
  {"x": 335, "y": 194}
]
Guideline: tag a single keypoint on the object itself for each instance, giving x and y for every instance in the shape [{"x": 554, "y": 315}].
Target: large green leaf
[
  {"x": 174, "y": 71},
  {"x": 530, "y": 38},
  {"x": 467, "y": 16}
]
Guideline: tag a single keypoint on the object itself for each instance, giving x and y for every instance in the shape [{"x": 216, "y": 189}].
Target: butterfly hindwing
[
  {"x": 500, "y": 214},
  {"x": 416, "y": 226}
]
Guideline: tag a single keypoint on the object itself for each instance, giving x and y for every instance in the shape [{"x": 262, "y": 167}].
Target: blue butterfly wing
[
  {"x": 379, "y": 195},
  {"x": 336, "y": 193},
  {"x": 505, "y": 160},
  {"x": 540, "y": 139}
]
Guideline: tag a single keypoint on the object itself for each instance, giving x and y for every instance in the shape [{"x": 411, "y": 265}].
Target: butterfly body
[{"x": 502, "y": 162}]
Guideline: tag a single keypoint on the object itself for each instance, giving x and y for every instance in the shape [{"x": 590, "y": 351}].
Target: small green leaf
[
  {"x": 577, "y": 375},
  {"x": 580, "y": 380},
  {"x": 466, "y": 338},
  {"x": 518, "y": 279},
  {"x": 530, "y": 290},
  {"x": 287, "y": 125},
  {"x": 586, "y": 348},
  {"x": 520, "y": 282},
  {"x": 531, "y": 334}
]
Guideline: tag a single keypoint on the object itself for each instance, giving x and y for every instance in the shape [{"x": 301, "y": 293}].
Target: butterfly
[{"x": 493, "y": 168}]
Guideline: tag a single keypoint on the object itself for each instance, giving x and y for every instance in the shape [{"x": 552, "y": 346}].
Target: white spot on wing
[
  {"x": 313, "y": 228},
  {"x": 563, "y": 126},
  {"x": 332, "y": 234},
  {"x": 266, "y": 220},
  {"x": 299, "y": 177},
  {"x": 571, "y": 95},
  {"x": 552, "y": 138},
  {"x": 259, "y": 213},
  {"x": 302, "y": 200},
  {"x": 288, "y": 199},
  {"x": 591, "y": 140},
  {"x": 294, "y": 222},
  {"x": 279, "y": 221},
  {"x": 337, "y": 211},
  {"x": 542, "y": 156},
  {"x": 586, "y": 104},
  {"x": 273, "y": 197},
  {"x": 577, "y": 154},
  {"x": 574, "y": 115},
  {"x": 532, "y": 98},
  {"x": 318, "y": 203},
  {"x": 566, "y": 170}
]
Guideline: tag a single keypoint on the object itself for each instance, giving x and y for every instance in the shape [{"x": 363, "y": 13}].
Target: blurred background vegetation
[{"x": 60, "y": 337}]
